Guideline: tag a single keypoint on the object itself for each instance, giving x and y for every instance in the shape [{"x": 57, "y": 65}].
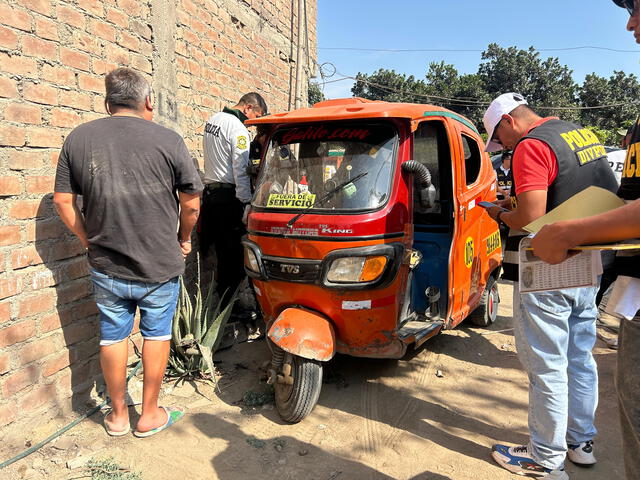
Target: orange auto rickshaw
[{"x": 365, "y": 236}]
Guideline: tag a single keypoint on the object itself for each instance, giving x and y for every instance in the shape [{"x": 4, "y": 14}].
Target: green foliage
[
  {"x": 544, "y": 82},
  {"x": 315, "y": 94},
  {"x": 108, "y": 469},
  {"x": 198, "y": 327}
]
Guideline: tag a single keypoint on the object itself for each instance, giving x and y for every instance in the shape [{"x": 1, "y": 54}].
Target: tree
[
  {"x": 543, "y": 83},
  {"x": 315, "y": 94},
  {"x": 389, "y": 86}
]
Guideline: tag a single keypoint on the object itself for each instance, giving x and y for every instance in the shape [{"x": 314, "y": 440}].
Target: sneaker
[
  {"x": 582, "y": 454},
  {"x": 518, "y": 460}
]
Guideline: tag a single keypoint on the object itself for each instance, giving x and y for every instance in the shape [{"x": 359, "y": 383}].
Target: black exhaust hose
[{"x": 419, "y": 170}]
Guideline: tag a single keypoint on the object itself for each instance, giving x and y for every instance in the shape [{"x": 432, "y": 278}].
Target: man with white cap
[{"x": 555, "y": 330}]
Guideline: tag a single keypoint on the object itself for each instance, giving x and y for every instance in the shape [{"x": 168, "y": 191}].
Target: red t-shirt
[{"x": 534, "y": 164}]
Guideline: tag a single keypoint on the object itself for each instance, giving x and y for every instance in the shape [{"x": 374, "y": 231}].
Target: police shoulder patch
[{"x": 242, "y": 142}]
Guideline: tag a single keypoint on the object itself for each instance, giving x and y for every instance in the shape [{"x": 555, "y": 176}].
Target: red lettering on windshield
[{"x": 319, "y": 133}]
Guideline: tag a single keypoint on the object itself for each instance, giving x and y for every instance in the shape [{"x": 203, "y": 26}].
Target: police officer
[
  {"x": 227, "y": 192},
  {"x": 554, "y": 331}
]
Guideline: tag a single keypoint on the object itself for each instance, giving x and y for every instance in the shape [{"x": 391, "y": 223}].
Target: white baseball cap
[{"x": 504, "y": 104}]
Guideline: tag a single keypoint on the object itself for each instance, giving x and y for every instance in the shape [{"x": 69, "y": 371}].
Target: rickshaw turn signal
[{"x": 356, "y": 269}]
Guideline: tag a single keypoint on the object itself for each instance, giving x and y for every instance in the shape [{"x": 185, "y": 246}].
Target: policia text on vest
[{"x": 585, "y": 144}]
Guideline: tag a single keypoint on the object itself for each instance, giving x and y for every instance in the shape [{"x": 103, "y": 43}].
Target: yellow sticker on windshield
[{"x": 291, "y": 200}]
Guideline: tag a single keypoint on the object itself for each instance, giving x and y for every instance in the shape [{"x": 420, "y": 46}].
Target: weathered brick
[
  {"x": 40, "y": 184},
  {"x": 91, "y": 83},
  {"x": 37, "y": 304},
  {"x": 64, "y": 118},
  {"x": 50, "y": 322},
  {"x": 102, "y": 29},
  {"x": 75, "y": 59},
  {"x": 42, "y": 279},
  {"x": 128, "y": 41},
  {"x": 8, "y": 413},
  {"x": 88, "y": 43},
  {"x": 22, "y": 113},
  {"x": 59, "y": 75},
  {"x": 25, "y": 159},
  {"x": 74, "y": 291},
  {"x": 19, "y": 380},
  {"x": 36, "y": 47},
  {"x": 19, "y": 65},
  {"x": 38, "y": 349},
  {"x": 14, "y": 17},
  {"x": 92, "y": 6},
  {"x": 40, "y": 396},
  {"x": 56, "y": 363},
  {"x": 47, "y": 29},
  {"x": 80, "y": 331},
  {"x": 5, "y": 312},
  {"x": 132, "y": 7},
  {"x": 70, "y": 16},
  {"x": 118, "y": 17},
  {"x": 10, "y": 186},
  {"x": 5, "y": 362},
  {"x": 39, "y": 93},
  {"x": 17, "y": 333},
  {"x": 77, "y": 100},
  {"x": 100, "y": 67},
  {"x": 11, "y": 136},
  {"x": 25, "y": 256},
  {"x": 10, "y": 287},
  {"x": 40, "y": 6},
  {"x": 78, "y": 311},
  {"x": 116, "y": 54},
  {"x": 8, "y": 38},
  {"x": 44, "y": 137},
  {"x": 8, "y": 88},
  {"x": 140, "y": 62},
  {"x": 76, "y": 268},
  {"x": 67, "y": 249},
  {"x": 45, "y": 229},
  {"x": 9, "y": 235}
]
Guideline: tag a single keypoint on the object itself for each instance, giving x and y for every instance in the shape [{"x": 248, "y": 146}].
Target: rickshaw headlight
[
  {"x": 356, "y": 269},
  {"x": 250, "y": 260}
]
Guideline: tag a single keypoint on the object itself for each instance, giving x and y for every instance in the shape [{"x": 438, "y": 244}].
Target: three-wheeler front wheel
[{"x": 297, "y": 385}]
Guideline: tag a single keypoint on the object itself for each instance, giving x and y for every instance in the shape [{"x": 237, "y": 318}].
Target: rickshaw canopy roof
[{"x": 359, "y": 108}]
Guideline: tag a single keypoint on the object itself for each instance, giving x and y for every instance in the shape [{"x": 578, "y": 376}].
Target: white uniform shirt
[{"x": 226, "y": 153}]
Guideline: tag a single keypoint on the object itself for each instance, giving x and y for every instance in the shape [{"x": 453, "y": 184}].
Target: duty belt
[{"x": 214, "y": 185}]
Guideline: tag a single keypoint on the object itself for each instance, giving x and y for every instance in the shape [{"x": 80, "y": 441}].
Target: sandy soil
[{"x": 376, "y": 419}]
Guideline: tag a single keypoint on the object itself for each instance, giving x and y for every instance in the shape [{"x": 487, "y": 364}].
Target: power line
[{"x": 472, "y": 50}]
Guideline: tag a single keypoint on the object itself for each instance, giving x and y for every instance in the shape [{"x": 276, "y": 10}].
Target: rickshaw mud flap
[
  {"x": 394, "y": 349},
  {"x": 304, "y": 333}
]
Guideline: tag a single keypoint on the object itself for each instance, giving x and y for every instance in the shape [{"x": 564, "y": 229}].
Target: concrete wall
[{"x": 200, "y": 56}]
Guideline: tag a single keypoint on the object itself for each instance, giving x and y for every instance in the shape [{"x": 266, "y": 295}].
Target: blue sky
[{"x": 469, "y": 24}]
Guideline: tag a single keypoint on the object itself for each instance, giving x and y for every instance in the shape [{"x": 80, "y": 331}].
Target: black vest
[
  {"x": 504, "y": 179},
  {"x": 582, "y": 162},
  {"x": 629, "y": 265}
]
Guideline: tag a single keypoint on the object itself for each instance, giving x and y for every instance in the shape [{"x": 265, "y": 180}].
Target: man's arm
[
  {"x": 553, "y": 241},
  {"x": 240, "y": 159},
  {"x": 531, "y": 206},
  {"x": 189, "y": 211},
  {"x": 68, "y": 211}
]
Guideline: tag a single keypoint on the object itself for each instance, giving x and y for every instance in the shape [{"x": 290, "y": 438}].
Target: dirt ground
[{"x": 376, "y": 419}]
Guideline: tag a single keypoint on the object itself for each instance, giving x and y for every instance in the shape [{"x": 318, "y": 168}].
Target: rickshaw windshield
[{"x": 304, "y": 165}]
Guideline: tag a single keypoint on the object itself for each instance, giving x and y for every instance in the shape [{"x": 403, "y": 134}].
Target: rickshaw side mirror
[{"x": 422, "y": 179}]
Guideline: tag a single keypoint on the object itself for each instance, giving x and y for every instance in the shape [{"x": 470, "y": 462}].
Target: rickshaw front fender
[{"x": 304, "y": 333}]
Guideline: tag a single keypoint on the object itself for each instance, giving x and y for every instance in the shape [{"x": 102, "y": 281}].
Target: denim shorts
[{"x": 117, "y": 300}]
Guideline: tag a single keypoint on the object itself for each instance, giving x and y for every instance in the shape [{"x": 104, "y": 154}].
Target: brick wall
[{"x": 200, "y": 56}]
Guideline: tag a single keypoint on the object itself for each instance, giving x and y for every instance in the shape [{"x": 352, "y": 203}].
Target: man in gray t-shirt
[{"x": 141, "y": 198}]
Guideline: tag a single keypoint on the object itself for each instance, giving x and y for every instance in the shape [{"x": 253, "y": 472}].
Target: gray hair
[{"x": 126, "y": 88}]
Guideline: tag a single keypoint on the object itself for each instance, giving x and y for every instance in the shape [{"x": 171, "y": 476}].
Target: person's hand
[
  {"x": 245, "y": 214},
  {"x": 185, "y": 248},
  {"x": 552, "y": 243},
  {"x": 493, "y": 212},
  {"x": 505, "y": 202}
]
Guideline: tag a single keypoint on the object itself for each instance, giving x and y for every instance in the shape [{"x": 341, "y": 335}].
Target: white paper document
[{"x": 580, "y": 270}]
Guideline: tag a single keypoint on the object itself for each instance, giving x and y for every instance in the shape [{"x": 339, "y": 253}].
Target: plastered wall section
[{"x": 200, "y": 55}]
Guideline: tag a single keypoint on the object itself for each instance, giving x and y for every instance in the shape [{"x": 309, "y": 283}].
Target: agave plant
[{"x": 198, "y": 327}]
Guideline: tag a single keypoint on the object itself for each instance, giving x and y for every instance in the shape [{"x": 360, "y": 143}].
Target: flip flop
[
  {"x": 173, "y": 415},
  {"x": 114, "y": 433}
]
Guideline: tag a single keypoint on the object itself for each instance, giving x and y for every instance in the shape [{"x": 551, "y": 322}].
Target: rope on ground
[{"x": 38, "y": 446}]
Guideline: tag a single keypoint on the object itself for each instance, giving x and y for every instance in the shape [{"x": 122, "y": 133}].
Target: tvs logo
[{"x": 291, "y": 269}]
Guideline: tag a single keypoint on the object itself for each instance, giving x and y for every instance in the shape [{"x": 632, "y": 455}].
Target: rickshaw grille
[{"x": 290, "y": 270}]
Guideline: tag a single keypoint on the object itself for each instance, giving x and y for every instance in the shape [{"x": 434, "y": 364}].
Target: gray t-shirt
[{"x": 128, "y": 171}]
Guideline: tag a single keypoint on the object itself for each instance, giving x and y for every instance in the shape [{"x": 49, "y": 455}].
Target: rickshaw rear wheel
[
  {"x": 297, "y": 387},
  {"x": 487, "y": 311}
]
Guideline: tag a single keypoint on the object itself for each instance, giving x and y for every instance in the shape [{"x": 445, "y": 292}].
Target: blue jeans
[
  {"x": 117, "y": 300},
  {"x": 555, "y": 332}
]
